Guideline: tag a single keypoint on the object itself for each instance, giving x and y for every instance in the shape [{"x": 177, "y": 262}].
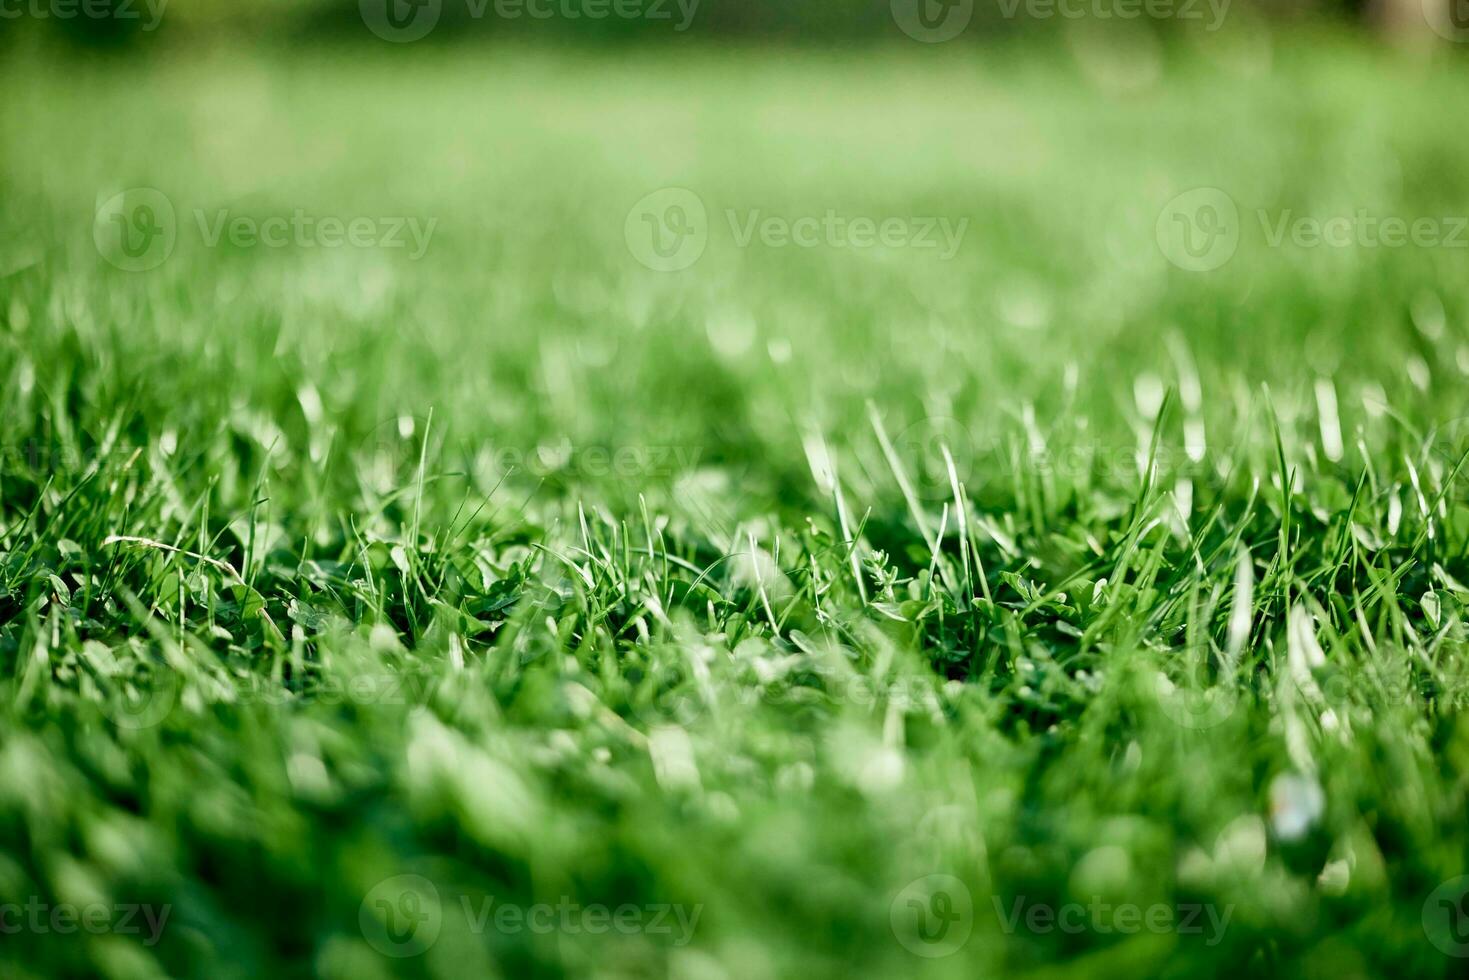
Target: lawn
[{"x": 706, "y": 512}]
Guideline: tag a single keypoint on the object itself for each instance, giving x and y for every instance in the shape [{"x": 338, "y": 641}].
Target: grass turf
[{"x": 749, "y": 597}]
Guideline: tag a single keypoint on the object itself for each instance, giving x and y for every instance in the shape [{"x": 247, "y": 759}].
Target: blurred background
[
  {"x": 1057, "y": 139},
  {"x": 530, "y": 139},
  {"x": 124, "y": 23}
]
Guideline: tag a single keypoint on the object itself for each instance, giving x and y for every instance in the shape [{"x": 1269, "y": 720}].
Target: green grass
[{"x": 751, "y": 594}]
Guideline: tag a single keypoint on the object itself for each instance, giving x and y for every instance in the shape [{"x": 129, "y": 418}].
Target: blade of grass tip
[
  {"x": 1327, "y": 419},
  {"x": 1285, "y": 483},
  {"x": 456, "y": 535},
  {"x": 861, "y": 528},
  {"x": 906, "y": 488},
  {"x": 1425, "y": 532},
  {"x": 586, "y": 534},
  {"x": 1150, "y": 470},
  {"x": 901, "y": 476},
  {"x": 1196, "y": 663},
  {"x": 648, "y": 534},
  {"x": 418, "y": 493},
  {"x": 824, "y": 473},
  {"x": 1137, "y": 524},
  {"x": 1117, "y": 579},
  {"x": 366, "y": 565},
  {"x": 1345, "y": 540},
  {"x": 667, "y": 560},
  {"x": 933, "y": 555},
  {"x": 1448, "y": 485},
  {"x": 1241, "y": 610},
  {"x": 586, "y": 538},
  {"x": 760, "y": 579},
  {"x": 258, "y": 495},
  {"x": 984, "y": 585},
  {"x": 847, "y": 539},
  {"x": 626, "y": 552},
  {"x": 1418, "y": 495},
  {"x": 962, "y": 519}
]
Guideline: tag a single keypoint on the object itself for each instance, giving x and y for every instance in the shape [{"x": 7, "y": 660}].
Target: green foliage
[{"x": 760, "y": 591}]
